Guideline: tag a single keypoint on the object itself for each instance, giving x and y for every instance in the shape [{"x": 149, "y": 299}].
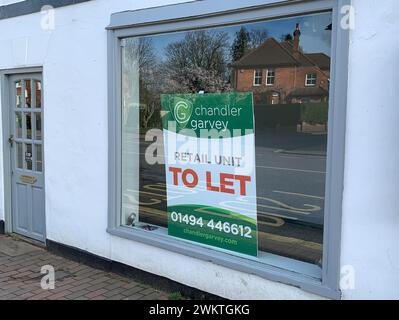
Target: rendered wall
[{"x": 371, "y": 203}]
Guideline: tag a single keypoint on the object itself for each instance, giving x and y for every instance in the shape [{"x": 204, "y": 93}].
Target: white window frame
[
  {"x": 308, "y": 79},
  {"x": 268, "y": 76},
  {"x": 258, "y": 77},
  {"x": 215, "y": 13}
]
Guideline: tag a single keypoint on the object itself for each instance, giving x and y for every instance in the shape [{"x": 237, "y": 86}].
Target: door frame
[{"x": 5, "y": 74}]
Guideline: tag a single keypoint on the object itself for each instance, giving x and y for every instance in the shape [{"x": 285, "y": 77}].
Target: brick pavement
[{"x": 20, "y": 277}]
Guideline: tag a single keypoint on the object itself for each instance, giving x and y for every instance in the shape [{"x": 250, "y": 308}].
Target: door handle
[{"x": 11, "y": 140}]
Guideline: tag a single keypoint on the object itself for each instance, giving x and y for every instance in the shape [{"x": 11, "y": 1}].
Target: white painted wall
[
  {"x": 73, "y": 56},
  {"x": 371, "y": 203}
]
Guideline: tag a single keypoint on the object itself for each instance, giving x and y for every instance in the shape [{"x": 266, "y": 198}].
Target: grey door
[{"x": 26, "y": 145}]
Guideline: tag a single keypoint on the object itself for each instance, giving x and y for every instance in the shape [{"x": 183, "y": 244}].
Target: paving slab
[{"x": 21, "y": 278}]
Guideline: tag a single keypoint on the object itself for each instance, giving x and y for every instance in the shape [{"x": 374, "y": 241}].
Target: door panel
[
  {"x": 21, "y": 207},
  {"x": 26, "y": 145},
  {"x": 38, "y": 209}
]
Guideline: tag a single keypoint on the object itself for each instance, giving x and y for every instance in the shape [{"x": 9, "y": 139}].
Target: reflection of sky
[{"x": 314, "y": 37}]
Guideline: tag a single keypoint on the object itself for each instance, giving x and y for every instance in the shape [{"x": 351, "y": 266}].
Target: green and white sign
[{"x": 210, "y": 169}]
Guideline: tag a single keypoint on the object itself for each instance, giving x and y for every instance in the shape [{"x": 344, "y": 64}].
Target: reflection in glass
[
  {"x": 28, "y": 156},
  {"x": 28, "y": 94},
  {"x": 19, "y": 155},
  {"x": 18, "y": 124},
  {"x": 38, "y": 93},
  {"x": 18, "y": 94},
  {"x": 285, "y": 63},
  {"x": 28, "y": 125},
  {"x": 39, "y": 158},
  {"x": 270, "y": 77},
  {"x": 38, "y": 126}
]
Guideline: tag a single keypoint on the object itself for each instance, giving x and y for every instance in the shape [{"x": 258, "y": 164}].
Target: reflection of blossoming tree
[
  {"x": 197, "y": 63},
  {"x": 196, "y": 79}
]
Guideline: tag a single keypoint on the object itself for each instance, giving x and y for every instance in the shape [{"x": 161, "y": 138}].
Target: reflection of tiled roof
[
  {"x": 270, "y": 53},
  {"x": 301, "y": 58},
  {"x": 320, "y": 59},
  {"x": 309, "y": 92},
  {"x": 275, "y": 54}
]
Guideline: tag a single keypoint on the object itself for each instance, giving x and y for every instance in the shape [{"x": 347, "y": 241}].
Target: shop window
[
  {"x": 290, "y": 197},
  {"x": 271, "y": 215}
]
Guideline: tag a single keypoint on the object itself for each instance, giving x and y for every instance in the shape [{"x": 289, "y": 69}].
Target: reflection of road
[
  {"x": 290, "y": 188},
  {"x": 290, "y": 182},
  {"x": 290, "y": 169},
  {"x": 290, "y": 185}
]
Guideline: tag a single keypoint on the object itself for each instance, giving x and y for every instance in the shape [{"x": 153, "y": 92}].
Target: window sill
[{"x": 272, "y": 267}]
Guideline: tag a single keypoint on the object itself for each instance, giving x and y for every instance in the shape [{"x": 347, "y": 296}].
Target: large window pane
[{"x": 286, "y": 65}]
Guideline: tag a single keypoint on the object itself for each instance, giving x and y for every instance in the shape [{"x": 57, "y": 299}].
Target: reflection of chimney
[{"x": 297, "y": 35}]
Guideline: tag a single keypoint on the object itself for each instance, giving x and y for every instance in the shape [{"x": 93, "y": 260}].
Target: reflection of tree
[
  {"x": 149, "y": 103},
  {"x": 286, "y": 37},
  {"x": 197, "y": 63},
  {"x": 246, "y": 41},
  {"x": 240, "y": 45},
  {"x": 149, "y": 100},
  {"x": 257, "y": 37}
]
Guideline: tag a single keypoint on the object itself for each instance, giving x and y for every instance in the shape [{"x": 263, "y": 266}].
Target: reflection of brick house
[{"x": 278, "y": 72}]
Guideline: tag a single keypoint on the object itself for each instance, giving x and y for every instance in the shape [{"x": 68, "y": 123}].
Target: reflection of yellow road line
[
  {"x": 291, "y": 169},
  {"x": 279, "y": 222},
  {"x": 291, "y": 241},
  {"x": 147, "y": 193},
  {"x": 153, "y": 212},
  {"x": 299, "y": 194}
]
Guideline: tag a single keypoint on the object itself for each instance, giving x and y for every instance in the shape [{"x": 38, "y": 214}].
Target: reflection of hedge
[
  {"x": 314, "y": 113},
  {"x": 277, "y": 114},
  {"x": 291, "y": 114}
]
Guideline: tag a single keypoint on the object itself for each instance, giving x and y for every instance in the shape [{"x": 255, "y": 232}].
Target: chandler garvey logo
[{"x": 182, "y": 111}]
